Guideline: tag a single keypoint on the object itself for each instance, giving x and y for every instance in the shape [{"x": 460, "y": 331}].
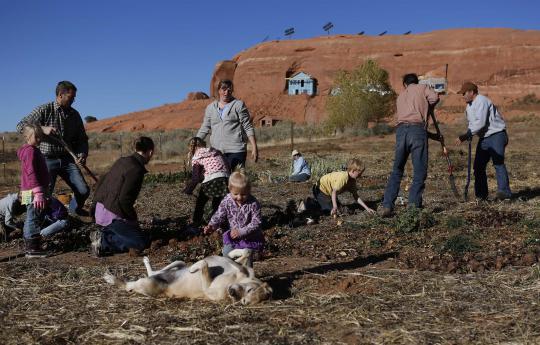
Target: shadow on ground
[{"x": 282, "y": 283}]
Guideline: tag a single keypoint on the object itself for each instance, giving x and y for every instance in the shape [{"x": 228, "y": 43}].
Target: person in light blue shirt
[
  {"x": 487, "y": 123},
  {"x": 301, "y": 170},
  {"x": 10, "y": 206}
]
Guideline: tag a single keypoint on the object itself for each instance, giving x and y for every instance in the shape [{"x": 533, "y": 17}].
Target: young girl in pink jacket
[
  {"x": 210, "y": 168},
  {"x": 34, "y": 188}
]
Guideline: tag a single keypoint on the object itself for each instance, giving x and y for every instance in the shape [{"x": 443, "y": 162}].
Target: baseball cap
[
  {"x": 468, "y": 86},
  {"x": 294, "y": 153}
]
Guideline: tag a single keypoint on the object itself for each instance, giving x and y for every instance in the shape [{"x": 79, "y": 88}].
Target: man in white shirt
[{"x": 487, "y": 123}]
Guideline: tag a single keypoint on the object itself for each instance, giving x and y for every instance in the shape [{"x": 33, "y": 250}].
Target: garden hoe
[
  {"x": 72, "y": 154},
  {"x": 451, "y": 178}
]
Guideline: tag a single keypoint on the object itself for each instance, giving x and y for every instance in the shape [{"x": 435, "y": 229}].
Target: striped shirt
[{"x": 68, "y": 124}]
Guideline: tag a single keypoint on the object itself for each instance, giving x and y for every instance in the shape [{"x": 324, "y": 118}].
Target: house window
[{"x": 302, "y": 83}]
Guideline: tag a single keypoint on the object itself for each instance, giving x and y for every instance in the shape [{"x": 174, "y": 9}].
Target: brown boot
[{"x": 33, "y": 247}]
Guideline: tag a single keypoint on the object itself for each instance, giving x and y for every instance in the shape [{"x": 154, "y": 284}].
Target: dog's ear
[
  {"x": 235, "y": 291},
  {"x": 262, "y": 293}
]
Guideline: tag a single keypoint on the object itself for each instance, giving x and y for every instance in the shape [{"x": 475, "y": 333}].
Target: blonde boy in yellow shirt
[{"x": 332, "y": 184}]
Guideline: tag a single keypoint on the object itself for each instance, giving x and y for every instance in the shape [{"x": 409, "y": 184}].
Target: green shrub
[
  {"x": 360, "y": 96},
  {"x": 454, "y": 222},
  {"x": 322, "y": 166},
  {"x": 413, "y": 220},
  {"x": 460, "y": 244}
]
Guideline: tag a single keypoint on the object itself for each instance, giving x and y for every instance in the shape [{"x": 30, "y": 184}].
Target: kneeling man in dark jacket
[{"x": 114, "y": 198}]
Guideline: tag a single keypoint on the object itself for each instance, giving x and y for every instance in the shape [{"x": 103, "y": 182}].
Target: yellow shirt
[{"x": 339, "y": 181}]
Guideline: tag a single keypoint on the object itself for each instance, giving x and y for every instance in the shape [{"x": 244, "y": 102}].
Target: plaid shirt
[{"x": 68, "y": 124}]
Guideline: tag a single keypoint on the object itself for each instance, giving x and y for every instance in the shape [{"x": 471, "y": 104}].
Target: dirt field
[{"x": 456, "y": 273}]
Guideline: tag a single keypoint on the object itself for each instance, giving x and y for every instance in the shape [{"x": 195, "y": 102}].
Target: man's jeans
[
  {"x": 120, "y": 236},
  {"x": 235, "y": 159},
  {"x": 411, "y": 139},
  {"x": 66, "y": 168},
  {"x": 493, "y": 148},
  {"x": 32, "y": 224}
]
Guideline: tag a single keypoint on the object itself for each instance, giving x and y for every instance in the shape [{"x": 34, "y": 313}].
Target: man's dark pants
[
  {"x": 236, "y": 159},
  {"x": 411, "y": 139},
  {"x": 120, "y": 236},
  {"x": 66, "y": 168},
  {"x": 492, "y": 148}
]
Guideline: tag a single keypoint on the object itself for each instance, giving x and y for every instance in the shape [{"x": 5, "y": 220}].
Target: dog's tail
[{"x": 113, "y": 280}]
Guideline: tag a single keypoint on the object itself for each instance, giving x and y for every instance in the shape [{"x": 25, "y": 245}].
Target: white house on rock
[{"x": 301, "y": 83}]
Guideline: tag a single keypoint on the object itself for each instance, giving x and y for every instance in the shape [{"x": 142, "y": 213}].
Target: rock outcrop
[{"x": 505, "y": 63}]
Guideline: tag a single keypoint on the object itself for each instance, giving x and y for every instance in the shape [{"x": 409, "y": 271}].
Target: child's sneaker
[
  {"x": 301, "y": 207},
  {"x": 95, "y": 243},
  {"x": 33, "y": 248}
]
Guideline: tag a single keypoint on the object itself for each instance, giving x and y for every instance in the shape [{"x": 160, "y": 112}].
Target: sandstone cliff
[{"x": 505, "y": 63}]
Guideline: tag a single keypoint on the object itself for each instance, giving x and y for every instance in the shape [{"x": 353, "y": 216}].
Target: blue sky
[{"x": 132, "y": 55}]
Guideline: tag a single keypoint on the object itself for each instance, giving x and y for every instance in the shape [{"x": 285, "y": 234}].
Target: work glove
[
  {"x": 466, "y": 136},
  {"x": 39, "y": 201},
  {"x": 81, "y": 158}
]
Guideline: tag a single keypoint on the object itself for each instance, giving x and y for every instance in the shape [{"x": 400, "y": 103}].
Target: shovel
[
  {"x": 72, "y": 154},
  {"x": 451, "y": 178},
  {"x": 466, "y": 189}
]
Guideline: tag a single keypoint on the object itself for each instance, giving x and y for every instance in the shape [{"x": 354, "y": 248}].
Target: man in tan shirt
[{"x": 411, "y": 139}]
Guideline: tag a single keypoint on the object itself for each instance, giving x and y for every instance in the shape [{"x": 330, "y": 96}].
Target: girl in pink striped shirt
[{"x": 210, "y": 168}]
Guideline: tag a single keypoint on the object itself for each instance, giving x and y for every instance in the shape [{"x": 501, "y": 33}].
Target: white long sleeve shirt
[{"x": 484, "y": 118}]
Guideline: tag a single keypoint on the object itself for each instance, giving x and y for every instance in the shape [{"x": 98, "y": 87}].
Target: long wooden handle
[{"x": 75, "y": 158}]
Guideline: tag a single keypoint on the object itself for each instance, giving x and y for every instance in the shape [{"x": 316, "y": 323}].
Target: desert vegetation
[{"x": 360, "y": 96}]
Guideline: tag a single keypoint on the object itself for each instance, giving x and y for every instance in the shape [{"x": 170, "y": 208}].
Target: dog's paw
[
  {"x": 239, "y": 253},
  {"x": 198, "y": 266},
  {"x": 109, "y": 278}
]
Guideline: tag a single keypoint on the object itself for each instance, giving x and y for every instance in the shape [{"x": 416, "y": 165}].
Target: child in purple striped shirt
[{"x": 239, "y": 215}]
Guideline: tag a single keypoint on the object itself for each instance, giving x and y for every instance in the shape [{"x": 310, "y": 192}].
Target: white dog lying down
[{"x": 214, "y": 278}]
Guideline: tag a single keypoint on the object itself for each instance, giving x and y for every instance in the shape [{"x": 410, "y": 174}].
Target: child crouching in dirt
[
  {"x": 34, "y": 189},
  {"x": 240, "y": 214},
  {"x": 301, "y": 170},
  {"x": 330, "y": 185},
  {"x": 55, "y": 218},
  {"x": 210, "y": 167},
  {"x": 10, "y": 207}
]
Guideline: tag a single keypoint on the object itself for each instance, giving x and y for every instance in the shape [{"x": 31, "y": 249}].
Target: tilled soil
[{"x": 456, "y": 272}]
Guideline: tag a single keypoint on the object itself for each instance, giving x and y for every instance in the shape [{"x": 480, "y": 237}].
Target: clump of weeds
[{"x": 413, "y": 220}]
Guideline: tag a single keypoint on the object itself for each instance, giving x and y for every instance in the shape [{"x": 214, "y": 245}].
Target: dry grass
[
  {"x": 359, "y": 282},
  {"x": 72, "y": 305}
]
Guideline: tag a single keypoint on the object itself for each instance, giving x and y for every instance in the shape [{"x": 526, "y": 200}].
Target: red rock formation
[
  {"x": 194, "y": 96},
  {"x": 505, "y": 63}
]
